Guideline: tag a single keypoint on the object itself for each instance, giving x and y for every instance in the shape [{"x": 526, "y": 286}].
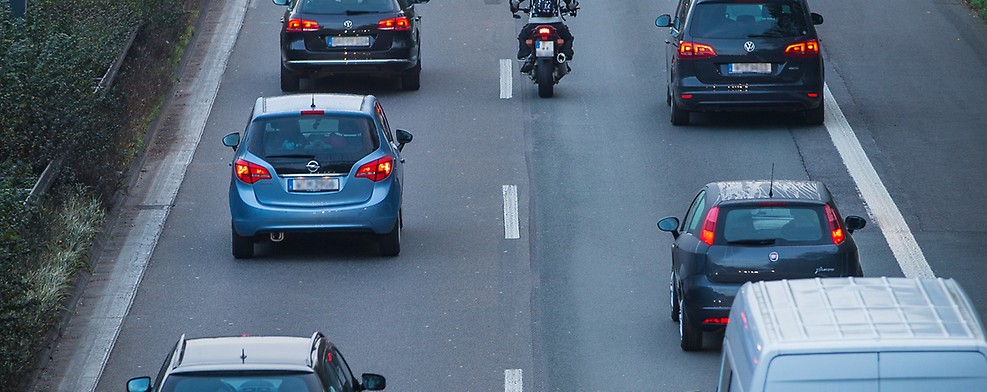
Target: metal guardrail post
[
  {"x": 111, "y": 73},
  {"x": 44, "y": 182}
]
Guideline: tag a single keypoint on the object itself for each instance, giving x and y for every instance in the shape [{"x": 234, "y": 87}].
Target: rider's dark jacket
[{"x": 544, "y": 9}]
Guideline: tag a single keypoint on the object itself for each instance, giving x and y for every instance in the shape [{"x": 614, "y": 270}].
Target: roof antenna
[
  {"x": 313, "y": 101},
  {"x": 771, "y": 185},
  {"x": 243, "y": 356}
]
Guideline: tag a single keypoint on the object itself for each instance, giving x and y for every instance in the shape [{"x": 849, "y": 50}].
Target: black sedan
[
  {"x": 331, "y": 37},
  {"x": 740, "y": 231}
]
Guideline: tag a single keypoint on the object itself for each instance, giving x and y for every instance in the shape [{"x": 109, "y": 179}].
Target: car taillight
[
  {"x": 807, "y": 49},
  {"x": 296, "y": 25},
  {"x": 709, "y": 226},
  {"x": 400, "y": 23},
  {"x": 717, "y": 320},
  {"x": 377, "y": 170},
  {"x": 693, "y": 50},
  {"x": 834, "y": 226},
  {"x": 249, "y": 172},
  {"x": 313, "y": 112}
]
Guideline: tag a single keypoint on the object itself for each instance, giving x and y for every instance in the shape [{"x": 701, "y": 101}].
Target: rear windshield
[
  {"x": 349, "y": 7},
  {"x": 257, "y": 382},
  {"x": 748, "y": 20},
  {"x": 324, "y": 138},
  {"x": 773, "y": 225}
]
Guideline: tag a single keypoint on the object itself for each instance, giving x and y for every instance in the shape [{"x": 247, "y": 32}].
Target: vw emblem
[
  {"x": 312, "y": 166},
  {"x": 348, "y": 24},
  {"x": 773, "y": 256},
  {"x": 749, "y": 46}
]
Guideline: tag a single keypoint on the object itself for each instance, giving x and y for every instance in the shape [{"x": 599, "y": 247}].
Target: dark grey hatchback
[
  {"x": 742, "y": 55},
  {"x": 330, "y": 37},
  {"x": 741, "y": 231}
]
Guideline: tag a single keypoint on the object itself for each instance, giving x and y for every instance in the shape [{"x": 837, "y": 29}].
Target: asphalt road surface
[{"x": 578, "y": 301}]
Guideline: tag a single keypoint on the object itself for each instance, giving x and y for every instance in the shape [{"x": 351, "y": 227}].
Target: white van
[{"x": 853, "y": 334}]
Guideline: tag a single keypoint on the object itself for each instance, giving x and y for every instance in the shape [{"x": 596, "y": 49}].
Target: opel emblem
[
  {"x": 749, "y": 46},
  {"x": 773, "y": 256},
  {"x": 348, "y": 24},
  {"x": 312, "y": 166}
]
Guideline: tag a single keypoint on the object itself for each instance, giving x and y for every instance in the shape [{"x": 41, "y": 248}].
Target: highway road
[{"x": 578, "y": 301}]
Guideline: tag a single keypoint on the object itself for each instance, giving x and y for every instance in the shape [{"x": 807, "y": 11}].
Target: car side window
[
  {"x": 694, "y": 216},
  {"x": 161, "y": 373},
  {"x": 681, "y": 14},
  {"x": 379, "y": 112},
  {"x": 342, "y": 369},
  {"x": 327, "y": 371}
]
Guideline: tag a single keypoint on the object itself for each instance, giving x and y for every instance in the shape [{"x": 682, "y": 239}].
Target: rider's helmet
[{"x": 544, "y": 8}]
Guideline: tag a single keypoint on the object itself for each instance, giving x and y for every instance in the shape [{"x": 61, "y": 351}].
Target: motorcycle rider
[{"x": 543, "y": 12}]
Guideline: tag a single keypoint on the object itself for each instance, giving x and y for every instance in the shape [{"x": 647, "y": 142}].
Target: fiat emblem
[
  {"x": 312, "y": 166},
  {"x": 749, "y": 46},
  {"x": 773, "y": 256},
  {"x": 348, "y": 24}
]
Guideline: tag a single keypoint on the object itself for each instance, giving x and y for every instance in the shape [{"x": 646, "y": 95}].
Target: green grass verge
[{"x": 980, "y": 6}]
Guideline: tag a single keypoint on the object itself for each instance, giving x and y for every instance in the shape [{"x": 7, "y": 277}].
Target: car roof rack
[
  {"x": 315, "y": 346},
  {"x": 179, "y": 355}
]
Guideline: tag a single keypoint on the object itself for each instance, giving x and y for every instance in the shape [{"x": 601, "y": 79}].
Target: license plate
[
  {"x": 348, "y": 41},
  {"x": 759, "y": 68},
  {"x": 545, "y": 48},
  {"x": 314, "y": 184}
]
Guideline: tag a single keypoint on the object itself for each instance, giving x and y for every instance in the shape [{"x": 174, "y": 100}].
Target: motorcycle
[{"x": 550, "y": 64}]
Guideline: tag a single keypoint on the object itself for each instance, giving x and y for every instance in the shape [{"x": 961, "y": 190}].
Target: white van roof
[{"x": 850, "y": 314}]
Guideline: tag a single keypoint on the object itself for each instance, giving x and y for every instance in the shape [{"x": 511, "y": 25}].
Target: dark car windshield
[
  {"x": 773, "y": 225},
  {"x": 325, "y": 138},
  {"x": 748, "y": 20},
  {"x": 330, "y": 7},
  {"x": 254, "y": 382}
]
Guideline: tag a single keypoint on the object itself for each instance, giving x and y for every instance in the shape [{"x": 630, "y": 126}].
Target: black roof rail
[
  {"x": 315, "y": 346},
  {"x": 179, "y": 355}
]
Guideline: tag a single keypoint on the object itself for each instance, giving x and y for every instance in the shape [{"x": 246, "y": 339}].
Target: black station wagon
[
  {"x": 743, "y": 55},
  {"x": 741, "y": 231}
]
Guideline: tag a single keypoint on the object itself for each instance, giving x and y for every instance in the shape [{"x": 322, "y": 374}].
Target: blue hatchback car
[{"x": 316, "y": 163}]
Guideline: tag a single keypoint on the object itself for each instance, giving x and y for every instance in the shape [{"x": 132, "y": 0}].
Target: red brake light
[
  {"x": 250, "y": 172},
  {"x": 807, "y": 49},
  {"x": 717, "y": 320},
  {"x": 693, "y": 50},
  {"x": 545, "y": 30},
  {"x": 296, "y": 25},
  {"x": 834, "y": 226},
  {"x": 377, "y": 170},
  {"x": 709, "y": 226},
  {"x": 313, "y": 112},
  {"x": 400, "y": 23}
]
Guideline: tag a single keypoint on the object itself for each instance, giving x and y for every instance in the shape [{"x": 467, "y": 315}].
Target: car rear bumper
[
  {"x": 377, "y": 215},
  {"x": 704, "y": 299},
  {"x": 398, "y": 59},
  {"x": 745, "y": 97}
]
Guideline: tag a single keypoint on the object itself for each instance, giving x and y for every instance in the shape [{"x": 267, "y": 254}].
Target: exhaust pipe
[
  {"x": 277, "y": 237},
  {"x": 561, "y": 58}
]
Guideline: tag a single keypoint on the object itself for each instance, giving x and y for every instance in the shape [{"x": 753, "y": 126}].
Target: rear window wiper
[
  {"x": 305, "y": 156},
  {"x": 763, "y": 241}
]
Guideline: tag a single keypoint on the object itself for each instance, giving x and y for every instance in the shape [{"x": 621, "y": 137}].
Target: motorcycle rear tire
[{"x": 545, "y": 77}]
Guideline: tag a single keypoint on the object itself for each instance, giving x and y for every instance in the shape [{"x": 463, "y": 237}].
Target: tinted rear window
[
  {"x": 255, "y": 382},
  {"x": 347, "y": 6},
  {"x": 324, "y": 138},
  {"x": 786, "y": 225},
  {"x": 748, "y": 20}
]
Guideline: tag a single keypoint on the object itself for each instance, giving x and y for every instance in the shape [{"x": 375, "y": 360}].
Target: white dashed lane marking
[
  {"x": 512, "y": 227},
  {"x": 512, "y": 380},
  {"x": 506, "y": 78}
]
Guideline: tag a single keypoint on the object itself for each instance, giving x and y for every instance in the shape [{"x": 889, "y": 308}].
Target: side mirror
[
  {"x": 817, "y": 19},
  {"x": 404, "y": 137},
  {"x": 373, "y": 382},
  {"x": 232, "y": 140},
  {"x": 854, "y": 223},
  {"x": 669, "y": 224},
  {"x": 664, "y": 21},
  {"x": 139, "y": 384},
  {"x": 281, "y": 2}
]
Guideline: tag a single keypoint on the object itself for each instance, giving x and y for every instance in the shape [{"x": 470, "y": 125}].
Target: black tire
[
  {"x": 668, "y": 96},
  {"x": 545, "y": 78},
  {"x": 389, "y": 244},
  {"x": 816, "y": 116},
  {"x": 679, "y": 116},
  {"x": 412, "y": 79},
  {"x": 673, "y": 294},
  {"x": 243, "y": 247},
  {"x": 692, "y": 337},
  {"x": 289, "y": 80}
]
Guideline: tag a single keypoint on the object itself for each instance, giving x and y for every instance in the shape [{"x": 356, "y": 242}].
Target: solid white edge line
[
  {"x": 876, "y": 197},
  {"x": 513, "y": 381},
  {"x": 506, "y": 79},
  {"x": 512, "y": 227}
]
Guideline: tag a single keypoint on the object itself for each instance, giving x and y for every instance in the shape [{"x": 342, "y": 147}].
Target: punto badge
[{"x": 773, "y": 256}]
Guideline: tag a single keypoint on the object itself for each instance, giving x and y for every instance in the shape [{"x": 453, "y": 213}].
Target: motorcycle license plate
[{"x": 545, "y": 48}]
